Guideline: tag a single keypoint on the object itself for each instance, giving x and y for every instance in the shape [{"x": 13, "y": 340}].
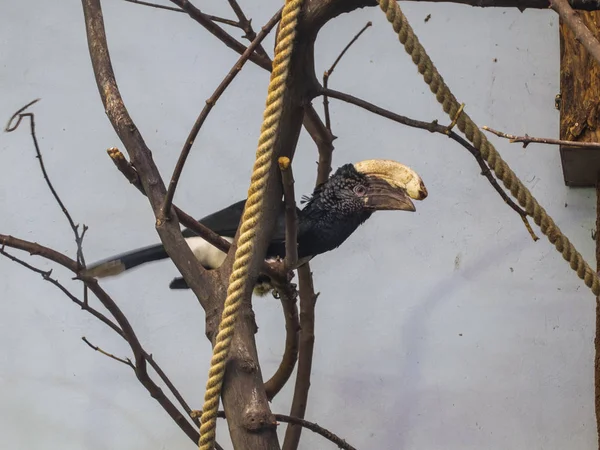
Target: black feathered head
[
  {"x": 369, "y": 186},
  {"x": 350, "y": 196}
]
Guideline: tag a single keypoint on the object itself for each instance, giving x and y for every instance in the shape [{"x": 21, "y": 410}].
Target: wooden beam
[
  {"x": 579, "y": 105},
  {"x": 597, "y": 340}
]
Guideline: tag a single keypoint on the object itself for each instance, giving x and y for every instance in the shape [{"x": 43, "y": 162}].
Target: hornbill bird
[{"x": 331, "y": 214}]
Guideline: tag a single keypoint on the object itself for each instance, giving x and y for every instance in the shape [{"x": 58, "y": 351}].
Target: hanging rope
[
  {"x": 250, "y": 219},
  {"x": 464, "y": 123}
]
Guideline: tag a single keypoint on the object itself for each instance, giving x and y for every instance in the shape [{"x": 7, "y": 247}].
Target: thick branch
[
  {"x": 434, "y": 127},
  {"x": 308, "y": 300},
  {"x": 140, "y": 155},
  {"x": 288, "y": 297},
  {"x": 291, "y": 219}
]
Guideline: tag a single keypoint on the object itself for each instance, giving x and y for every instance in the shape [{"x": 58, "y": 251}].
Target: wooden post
[
  {"x": 579, "y": 105},
  {"x": 580, "y": 121},
  {"x": 597, "y": 339}
]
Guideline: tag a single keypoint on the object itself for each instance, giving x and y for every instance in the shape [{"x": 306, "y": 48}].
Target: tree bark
[{"x": 579, "y": 105}]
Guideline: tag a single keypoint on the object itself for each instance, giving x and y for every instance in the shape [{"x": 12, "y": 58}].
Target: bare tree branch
[
  {"x": 246, "y": 25},
  {"x": 222, "y": 20},
  {"x": 127, "y": 361},
  {"x": 526, "y": 140},
  {"x": 19, "y": 116},
  {"x": 308, "y": 300},
  {"x": 154, "y": 5},
  {"x": 219, "y": 33},
  {"x": 288, "y": 297},
  {"x": 574, "y": 22},
  {"x": 434, "y": 127},
  {"x": 328, "y": 73},
  {"x": 291, "y": 219},
  {"x": 210, "y": 103},
  {"x": 46, "y": 275}
]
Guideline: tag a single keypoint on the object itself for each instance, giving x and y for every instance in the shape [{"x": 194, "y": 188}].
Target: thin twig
[
  {"x": 18, "y": 116},
  {"x": 46, "y": 275},
  {"x": 308, "y": 300},
  {"x": 526, "y": 140},
  {"x": 434, "y": 127},
  {"x": 328, "y": 73},
  {"x": 326, "y": 151},
  {"x": 126, "y": 361},
  {"x": 163, "y": 376},
  {"x": 237, "y": 67},
  {"x": 574, "y": 22},
  {"x": 204, "y": 20},
  {"x": 154, "y": 5},
  {"x": 291, "y": 218},
  {"x": 324, "y": 140},
  {"x": 246, "y": 25},
  {"x": 230, "y": 22},
  {"x": 288, "y": 297}
]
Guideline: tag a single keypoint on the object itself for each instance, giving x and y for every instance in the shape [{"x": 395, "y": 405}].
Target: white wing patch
[{"x": 208, "y": 255}]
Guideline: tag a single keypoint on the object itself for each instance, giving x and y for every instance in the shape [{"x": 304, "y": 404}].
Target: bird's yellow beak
[{"x": 391, "y": 185}]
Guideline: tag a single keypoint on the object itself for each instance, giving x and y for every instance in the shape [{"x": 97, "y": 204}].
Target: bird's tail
[{"x": 125, "y": 261}]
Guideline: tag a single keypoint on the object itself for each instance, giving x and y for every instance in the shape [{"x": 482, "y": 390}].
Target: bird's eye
[{"x": 360, "y": 190}]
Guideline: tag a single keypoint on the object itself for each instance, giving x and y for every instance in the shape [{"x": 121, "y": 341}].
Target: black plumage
[{"x": 330, "y": 215}]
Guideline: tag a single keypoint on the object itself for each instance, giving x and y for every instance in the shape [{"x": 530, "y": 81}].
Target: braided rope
[
  {"x": 251, "y": 217},
  {"x": 503, "y": 172}
]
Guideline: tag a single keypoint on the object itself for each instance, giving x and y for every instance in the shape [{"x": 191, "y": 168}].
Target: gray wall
[{"x": 445, "y": 329}]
